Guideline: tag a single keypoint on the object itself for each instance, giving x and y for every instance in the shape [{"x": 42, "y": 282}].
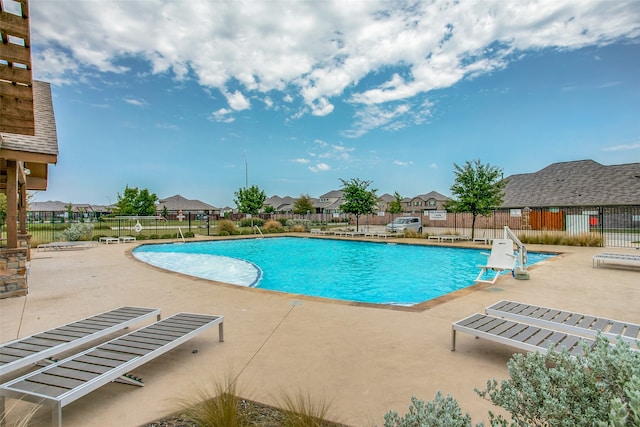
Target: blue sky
[{"x": 192, "y": 97}]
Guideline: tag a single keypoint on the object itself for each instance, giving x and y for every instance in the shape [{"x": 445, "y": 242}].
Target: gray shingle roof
[
  {"x": 177, "y": 202},
  {"x": 45, "y": 140},
  {"x": 577, "y": 183}
]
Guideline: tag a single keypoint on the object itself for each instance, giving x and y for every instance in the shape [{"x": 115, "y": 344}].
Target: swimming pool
[{"x": 379, "y": 273}]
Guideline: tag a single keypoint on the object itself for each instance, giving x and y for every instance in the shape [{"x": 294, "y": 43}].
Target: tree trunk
[{"x": 473, "y": 226}]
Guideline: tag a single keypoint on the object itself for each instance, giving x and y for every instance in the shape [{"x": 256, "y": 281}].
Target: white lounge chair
[
  {"x": 500, "y": 259},
  {"x": 626, "y": 259},
  {"x": 519, "y": 335},
  {"x": 576, "y": 323},
  {"x": 66, "y": 381},
  {"x": 29, "y": 350},
  {"x": 58, "y": 246}
]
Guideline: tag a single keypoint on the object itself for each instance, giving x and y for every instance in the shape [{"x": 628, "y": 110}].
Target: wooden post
[{"x": 12, "y": 204}]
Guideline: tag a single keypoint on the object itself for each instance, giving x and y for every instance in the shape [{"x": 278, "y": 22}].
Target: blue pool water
[{"x": 378, "y": 273}]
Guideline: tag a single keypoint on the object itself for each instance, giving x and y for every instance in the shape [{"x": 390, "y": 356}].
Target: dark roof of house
[
  {"x": 177, "y": 202},
  {"x": 433, "y": 195},
  {"x": 58, "y": 206},
  {"x": 577, "y": 183}
]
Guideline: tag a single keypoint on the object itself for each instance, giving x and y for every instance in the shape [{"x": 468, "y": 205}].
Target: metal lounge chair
[
  {"x": 22, "y": 352},
  {"x": 500, "y": 259},
  {"x": 576, "y": 323},
  {"x": 58, "y": 246},
  {"x": 519, "y": 335},
  {"x": 609, "y": 258},
  {"x": 66, "y": 381}
]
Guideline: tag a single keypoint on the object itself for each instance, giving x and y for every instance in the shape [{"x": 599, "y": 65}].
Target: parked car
[{"x": 412, "y": 223}]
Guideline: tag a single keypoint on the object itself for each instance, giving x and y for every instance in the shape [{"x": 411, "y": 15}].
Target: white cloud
[
  {"x": 136, "y": 102},
  {"x": 320, "y": 167},
  {"x": 401, "y": 163},
  {"x": 237, "y": 100},
  {"x": 223, "y": 115},
  {"x": 302, "y": 161},
  {"x": 623, "y": 147},
  {"x": 316, "y": 52}
]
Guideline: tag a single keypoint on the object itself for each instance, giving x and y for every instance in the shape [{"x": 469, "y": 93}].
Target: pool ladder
[{"x": 259, "y": 231}]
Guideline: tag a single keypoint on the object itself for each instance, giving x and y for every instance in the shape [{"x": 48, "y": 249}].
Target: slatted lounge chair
[
  {"x": 108, "y": 240},
  {"x": 57, "y": 246},
  {"x": 500, "y": 259},
  {"x": 22, "y": 352},
  {"x": 66, "y": 381},
  {"x": 576, "y": 323},
  {"x": 606, "y": 258},
  {"x": 519, "y": 335}
]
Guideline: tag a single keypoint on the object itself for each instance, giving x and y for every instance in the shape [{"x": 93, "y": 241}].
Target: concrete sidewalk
[{"x": 364, "y": 361}]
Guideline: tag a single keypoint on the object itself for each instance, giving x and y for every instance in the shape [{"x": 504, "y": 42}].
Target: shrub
[
  {"x": 582, "y": 239},
  {"x": 598, "y": 388},
  {"x": 216, "y": 406},
  {"x": 227, "y": 226},
  {"x": 305, "y": 223},
  {"x": 223, "y": 233},
  {"x": 301, "y": 410},
  {"x": 246, "y": 222},
  {"x": 77, "y": 231},
  {"x": 441, "y": 412},
  {"x": 273, "y": 226},
  {"x": 298, "y": 228},
  {"x": 412, "y": 234},
  {"x": 167, "y": 236},
  {"x": 189, "y": 234},
  {"x": 557, "y": 389},
  {"x": 154, "y": 237}
]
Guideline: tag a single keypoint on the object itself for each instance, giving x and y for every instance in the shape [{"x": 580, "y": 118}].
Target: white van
[{"x": 412, "y": 223}]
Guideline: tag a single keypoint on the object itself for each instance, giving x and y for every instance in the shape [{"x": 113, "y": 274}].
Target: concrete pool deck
[{"x": 363, "y": 361}]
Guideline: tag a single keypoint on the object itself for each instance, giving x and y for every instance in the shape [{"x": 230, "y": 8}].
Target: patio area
[{"x": 363, "y": 361}]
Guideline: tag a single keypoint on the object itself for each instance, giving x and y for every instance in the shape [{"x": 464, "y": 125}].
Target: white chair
[{"x": 500, "y": 259}]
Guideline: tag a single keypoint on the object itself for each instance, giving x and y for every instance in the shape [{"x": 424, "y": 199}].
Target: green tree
[
  {"x": 395, "y": 206},
  {"x": 269, "y": 209},
  {"x": 136, "y": 202},
  {"x": 250, "y": 200},
  {"x": 3, "y": 209},
  {"x": 359, "y": 200},
  {"x": 478, "y": 188},
  {"x": 303, "y": 204}
]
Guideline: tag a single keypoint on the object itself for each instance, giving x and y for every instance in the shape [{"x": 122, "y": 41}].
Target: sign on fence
[{"x": 438, "y": 215}]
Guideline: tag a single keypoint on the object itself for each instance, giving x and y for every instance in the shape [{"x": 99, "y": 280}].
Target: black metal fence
[{"x": 616, "y": 226}]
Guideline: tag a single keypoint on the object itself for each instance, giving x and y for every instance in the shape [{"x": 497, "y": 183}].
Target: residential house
[
  {"x": 178, "y": 203},
  {"x": 422, "y": 203},
  {"x": 329, "y": 203},
  {"x": 280, "y": 204},
  {"x": 384, "y": 201},
  {"x": 43, "y": 211},
  {"x": 576, "y": 183}
]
